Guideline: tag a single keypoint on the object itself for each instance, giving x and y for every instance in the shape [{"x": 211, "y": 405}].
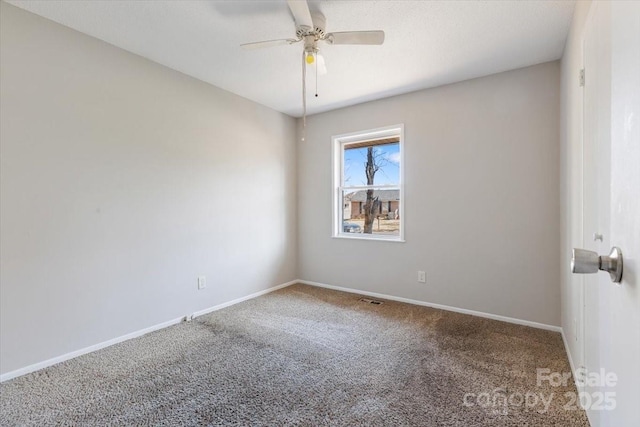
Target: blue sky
[{"x": 355, "y": 159}]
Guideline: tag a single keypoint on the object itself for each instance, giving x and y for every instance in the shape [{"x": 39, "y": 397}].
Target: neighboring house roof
[{"x": 382, "y": 195}]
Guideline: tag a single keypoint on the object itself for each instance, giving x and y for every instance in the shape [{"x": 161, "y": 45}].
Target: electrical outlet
[
  {"x": 422, "y": 277},
  {"x": 202, "y": 282}
]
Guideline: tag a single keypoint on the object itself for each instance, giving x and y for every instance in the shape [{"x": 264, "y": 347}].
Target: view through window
[{"x": 369, "y": 191}]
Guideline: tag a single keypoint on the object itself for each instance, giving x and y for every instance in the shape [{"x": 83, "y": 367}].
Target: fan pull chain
[{"x": 316, "y": 64}]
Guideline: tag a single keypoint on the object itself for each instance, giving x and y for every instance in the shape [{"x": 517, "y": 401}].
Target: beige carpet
[{"x": 310, "y": 357}]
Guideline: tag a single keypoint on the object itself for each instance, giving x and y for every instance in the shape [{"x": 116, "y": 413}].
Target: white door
[{"x": 611, "y": 209}]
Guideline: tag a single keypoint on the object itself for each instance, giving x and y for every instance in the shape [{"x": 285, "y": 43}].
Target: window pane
[
  {"x": 382, "y": 161},
  {"x": 383, "y": 206}
]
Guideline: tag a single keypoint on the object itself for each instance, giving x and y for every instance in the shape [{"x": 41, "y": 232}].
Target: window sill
[{"x": 377, "y": 238}]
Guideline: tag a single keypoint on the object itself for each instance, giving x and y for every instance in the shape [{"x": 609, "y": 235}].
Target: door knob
[{"x": 587, "y": 262}]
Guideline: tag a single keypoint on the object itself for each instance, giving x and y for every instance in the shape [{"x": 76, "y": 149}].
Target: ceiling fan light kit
[{"x": 311, "y": 28}]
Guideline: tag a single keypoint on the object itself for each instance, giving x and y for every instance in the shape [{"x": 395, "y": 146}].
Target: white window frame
[{"x": 338, "y": 142}]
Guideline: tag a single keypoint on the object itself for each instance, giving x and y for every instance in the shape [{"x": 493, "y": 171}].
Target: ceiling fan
[{"x": 310, "y": 29}]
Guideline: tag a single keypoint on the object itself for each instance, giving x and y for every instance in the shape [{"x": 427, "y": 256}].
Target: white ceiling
[{"x": 428, "y": 43}]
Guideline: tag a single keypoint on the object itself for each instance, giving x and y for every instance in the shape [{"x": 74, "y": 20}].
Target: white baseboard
[
  {"x": 439, "y": 306},
  {"x": 572, "y": 364},
  {"x": 568, "y": 350},
  {"x": 95, "y": 347},
  {"x": 82, "y": 351},
  {"x": 239, "y": 300}
]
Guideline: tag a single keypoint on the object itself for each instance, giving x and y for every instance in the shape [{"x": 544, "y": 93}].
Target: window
[{"x": 368, "y": 192}]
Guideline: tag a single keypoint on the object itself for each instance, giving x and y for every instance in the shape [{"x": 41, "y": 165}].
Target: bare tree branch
[{"x": 371, "y": 167}]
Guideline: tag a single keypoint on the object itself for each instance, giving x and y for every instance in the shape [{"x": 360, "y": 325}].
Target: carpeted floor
[{"x": 310, "y": 357}]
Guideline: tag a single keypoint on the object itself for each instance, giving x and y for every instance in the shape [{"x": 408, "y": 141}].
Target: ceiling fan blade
[
  {"x": 267, "y": 43},
  {"x": 356, "y": 37},
  {"x": 300, "y": 11}
]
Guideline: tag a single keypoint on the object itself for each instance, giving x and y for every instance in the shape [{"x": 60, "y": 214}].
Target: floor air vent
[{"x": 370, "y": 301}]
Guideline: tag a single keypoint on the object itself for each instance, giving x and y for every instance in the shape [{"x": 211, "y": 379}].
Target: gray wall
[
  {"x": 121, "y": 182},
  {"x": 482, "y": 197}
]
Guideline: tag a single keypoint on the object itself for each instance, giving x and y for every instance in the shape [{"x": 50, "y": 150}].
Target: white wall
[
  {"x": 121, "y": 182},
  {"x": 482, "y": 197}
]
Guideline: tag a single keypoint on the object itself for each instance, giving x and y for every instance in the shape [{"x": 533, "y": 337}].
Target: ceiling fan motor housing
[{"x": 318, "y": 30}]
